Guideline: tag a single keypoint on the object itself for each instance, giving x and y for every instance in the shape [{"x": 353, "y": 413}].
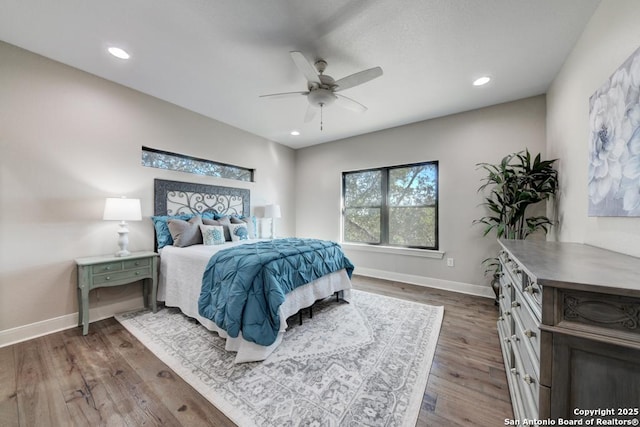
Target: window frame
[
  {"x": 249, "y": 171},
  {"x": 385, "y": 206}
]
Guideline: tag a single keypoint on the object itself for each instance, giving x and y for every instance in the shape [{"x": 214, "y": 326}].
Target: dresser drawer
[
  {"x": 107, "y": 267},
  {"x": 532, "y": 292},
  {"x": 525, "y": 380},
  {"x": 128, "y": 275},
  {"x": 505, "y": 324},
  {"x": 506, "y": 289},
  {"x": 526, "y": 325},
  {"x": 512, "y": 270},
  {"x": 528, "y": 360},
  {"x": 505, "y": 313}
]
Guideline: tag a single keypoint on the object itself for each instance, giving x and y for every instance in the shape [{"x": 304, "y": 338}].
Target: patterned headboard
[{"x": 175, "y": 198}]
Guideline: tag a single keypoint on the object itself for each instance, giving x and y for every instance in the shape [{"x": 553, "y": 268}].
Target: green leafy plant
[{"x": 515, "y": 185}]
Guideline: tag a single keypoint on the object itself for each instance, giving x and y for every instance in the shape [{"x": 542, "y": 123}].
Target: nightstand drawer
[
  {"x": 135, "y": 263},
  {"x": 103, "y": 279},
  {"x": 107, "y": 267}
]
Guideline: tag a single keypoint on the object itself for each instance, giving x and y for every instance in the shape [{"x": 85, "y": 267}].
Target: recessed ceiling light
[
  {"x": 118, "y": 53},
  {"x": 482, "y": 81},
  {"x": 295, "y": 133}
]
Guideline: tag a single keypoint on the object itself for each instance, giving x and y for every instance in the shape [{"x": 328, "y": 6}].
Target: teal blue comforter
[{"x": 243, "y": 286}]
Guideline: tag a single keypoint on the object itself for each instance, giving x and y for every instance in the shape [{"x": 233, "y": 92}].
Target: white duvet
[{"x": 180, "y": 281}]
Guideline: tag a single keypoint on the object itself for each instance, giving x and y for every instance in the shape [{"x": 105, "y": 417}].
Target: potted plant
[{"x": 515, "y": 185}]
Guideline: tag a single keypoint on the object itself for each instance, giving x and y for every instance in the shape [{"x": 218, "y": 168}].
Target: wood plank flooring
[{"x": 107, "y": 378}]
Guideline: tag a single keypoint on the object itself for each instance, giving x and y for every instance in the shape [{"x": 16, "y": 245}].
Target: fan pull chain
[{"x": 321, "y": 105}]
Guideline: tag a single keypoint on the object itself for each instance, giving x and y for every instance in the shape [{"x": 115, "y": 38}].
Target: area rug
[{"x": 360, "y": 364}]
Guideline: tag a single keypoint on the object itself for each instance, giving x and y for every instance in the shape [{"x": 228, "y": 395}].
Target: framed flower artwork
[{"x": 614, "y": 143}]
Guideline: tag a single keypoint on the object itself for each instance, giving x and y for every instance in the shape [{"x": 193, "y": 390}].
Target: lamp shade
[
  {"x": 272, "y": 211},
  {"x": 122, "y": 209}
]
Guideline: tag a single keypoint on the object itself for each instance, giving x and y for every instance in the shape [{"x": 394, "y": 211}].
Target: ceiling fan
[{"x": 322, "y": 88}]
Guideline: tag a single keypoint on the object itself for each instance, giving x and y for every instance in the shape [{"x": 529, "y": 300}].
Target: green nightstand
[{"x": 104, "y": 271}]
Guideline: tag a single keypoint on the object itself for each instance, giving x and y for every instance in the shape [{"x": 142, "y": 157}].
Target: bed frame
[{"x": 177, "y": 197}]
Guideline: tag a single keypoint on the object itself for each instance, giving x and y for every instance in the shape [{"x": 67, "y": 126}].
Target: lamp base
[
  {"x": 123, "y": 253},
  {"x": 123, "y": 240}
]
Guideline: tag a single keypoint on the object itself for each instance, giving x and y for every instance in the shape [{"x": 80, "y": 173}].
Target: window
[
  {"x": 179, "y": 162},
  {"x": 394, "y": 206}
]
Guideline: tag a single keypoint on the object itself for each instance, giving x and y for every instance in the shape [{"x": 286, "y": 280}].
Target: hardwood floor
[{"x": 108, "y": 378}]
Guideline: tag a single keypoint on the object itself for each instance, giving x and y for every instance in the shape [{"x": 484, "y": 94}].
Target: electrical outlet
[{"x": 449, "y": 262}]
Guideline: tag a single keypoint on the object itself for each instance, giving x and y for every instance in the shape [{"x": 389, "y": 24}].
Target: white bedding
[{"x": 180, "y": 281}]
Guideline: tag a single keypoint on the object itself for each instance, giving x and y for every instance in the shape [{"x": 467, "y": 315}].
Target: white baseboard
[
  {"x": 68, "y": 321},
  {"x": 430, "y": 282}
]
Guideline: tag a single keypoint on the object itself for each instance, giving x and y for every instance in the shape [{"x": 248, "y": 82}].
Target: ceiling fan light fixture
[
  {"x": 321, "y": 97},
  {"x": 295, "y": 133},
  {"x": 481, "y": 81}
]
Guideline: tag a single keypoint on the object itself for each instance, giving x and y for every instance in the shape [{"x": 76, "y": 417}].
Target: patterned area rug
[{"x": 359, "y": 364}]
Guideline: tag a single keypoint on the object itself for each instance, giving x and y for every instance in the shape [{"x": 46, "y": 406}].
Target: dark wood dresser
[{"x": 569, "y": 326}]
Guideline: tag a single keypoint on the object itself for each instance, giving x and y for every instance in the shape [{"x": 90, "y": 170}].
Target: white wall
[
  {"x": 458, "y": 142},
  {"x": 611, "y": 36},
  {"x": 69, "y": 139}
]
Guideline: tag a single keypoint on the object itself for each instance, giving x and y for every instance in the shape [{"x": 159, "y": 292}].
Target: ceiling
[{"x": 215, "y": 57}]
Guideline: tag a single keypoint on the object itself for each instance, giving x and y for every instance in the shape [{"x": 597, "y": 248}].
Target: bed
[{"x": 182, "y": 268}]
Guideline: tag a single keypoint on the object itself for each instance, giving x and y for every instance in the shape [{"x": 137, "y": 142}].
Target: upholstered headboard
[{"x": 176, "y": 198}]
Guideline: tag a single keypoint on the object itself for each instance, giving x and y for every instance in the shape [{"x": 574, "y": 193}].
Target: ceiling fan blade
[
  {"x": 349, "y": 103},
  {"x": 305, "y": 67},
  {"x": 284, "y": 95},
  {"x": 358, "y": 78},
  {"x": 310, "y": 114}
]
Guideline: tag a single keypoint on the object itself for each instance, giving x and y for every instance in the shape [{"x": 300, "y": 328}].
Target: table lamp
[
  {"x": 123, "y": 210},
  {"x": 272, "y": 211}
]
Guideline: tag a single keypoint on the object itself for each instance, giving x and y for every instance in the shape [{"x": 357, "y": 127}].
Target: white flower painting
[{"x": 614, "y": 151}]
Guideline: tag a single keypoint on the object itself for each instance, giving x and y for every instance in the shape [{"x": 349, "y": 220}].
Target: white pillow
[
  {"x": 251, "y": 225},
  {"x": 212, "y": 234},
  {"x": 239, "y": 232}
]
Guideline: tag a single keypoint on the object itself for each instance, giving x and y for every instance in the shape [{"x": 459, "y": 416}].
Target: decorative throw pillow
[
  {"x": 185, "y": 233},
  {"x": 224, "y": 222},
  {"x": 163, "y": 235},
  {"x": 239, "y": 232},
  {"x": 212, "y": 235},
  {"x": 251, "y": 224}
]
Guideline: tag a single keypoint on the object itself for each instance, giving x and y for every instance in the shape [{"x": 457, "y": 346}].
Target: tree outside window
[{"x": 394, "y": 206}]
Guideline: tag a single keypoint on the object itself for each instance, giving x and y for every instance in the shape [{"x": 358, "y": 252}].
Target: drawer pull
[
  {"x": 527, "y": 379},
  {"x": 514, "y": 371},
  {"x": 506, "y": 339},
  {"x": 500, "y": 319},
  {"x": 529, "y": 333},
  {"x": 507, "y": 313},
  {"x": 137, "y": 273},
  {"x": 107, "y": 278},
  {"x": 137, "y": 263},
  {"x": 530, "y": 289},
  {"x": 515, "y": 338},
  {"x": 515, "y": 304},
  {"x": 108, "y": 267}
]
